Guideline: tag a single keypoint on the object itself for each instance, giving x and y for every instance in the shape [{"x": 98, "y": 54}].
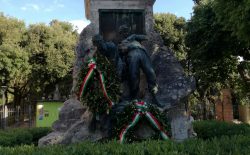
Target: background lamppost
[{"x": 3, "y": 88}]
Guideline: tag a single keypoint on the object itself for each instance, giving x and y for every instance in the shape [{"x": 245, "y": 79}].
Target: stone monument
[
  {"x": 56, "y": 94},
  {"x": 106, "y": 17}
]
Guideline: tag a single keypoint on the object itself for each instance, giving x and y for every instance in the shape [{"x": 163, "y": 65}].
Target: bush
[
  {"x": 222, "y": 138},
  {"x": 38, "y": 133},
  {"x": 241, "y": 146},
  {"x": 211, "y": 129},
  {"x": 14, "y": 137}
]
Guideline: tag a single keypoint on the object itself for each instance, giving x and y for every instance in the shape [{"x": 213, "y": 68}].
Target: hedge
[
  {"x": 14, "y": 137},
  {"x": 235, "y": 145},
  {"x": 213, "y": 138},
  {"x": 211, "y": 129}
]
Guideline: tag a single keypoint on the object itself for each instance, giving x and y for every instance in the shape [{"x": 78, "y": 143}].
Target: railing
[{"x": 18, "y": 116}]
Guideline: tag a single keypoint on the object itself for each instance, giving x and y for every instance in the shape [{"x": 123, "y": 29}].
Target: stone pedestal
[
  {"x": 179, "y": 123},
  {"x": 72, "y": 126}
]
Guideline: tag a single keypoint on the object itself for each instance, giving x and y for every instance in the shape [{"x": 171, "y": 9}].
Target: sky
[{"x": 44, "y": 11}]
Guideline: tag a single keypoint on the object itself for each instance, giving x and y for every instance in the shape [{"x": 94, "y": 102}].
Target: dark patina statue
[{"x": 129, "y": 57}]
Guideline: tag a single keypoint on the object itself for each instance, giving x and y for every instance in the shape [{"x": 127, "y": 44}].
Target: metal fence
[{"x": 18, "y": 116}]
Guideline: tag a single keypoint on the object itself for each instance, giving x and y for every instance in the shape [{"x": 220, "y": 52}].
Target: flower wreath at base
[
  {"x": 93, "y": 90},
  {"x": 132, "y": 113},
  {"x": 92, "y": 69},
  {"x": 127, "y": 120}
]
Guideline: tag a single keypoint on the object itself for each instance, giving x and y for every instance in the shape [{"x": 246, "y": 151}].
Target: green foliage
[
  {"x": 215, "y": 129},
  {"x": 224, "y": 138},
  {"x": 214, "y": 53},
  {"x": 51, "y": 50},
  {"x": 14, "y": 137},
  {"x": 32, "y": 58},
  {"x": 226, "y": 145},
  {"x": 210, "y": 47},
  {"x": 234, "y": 15},
  {"x": 14, "y": 59},
  {"x": 172, "y": 30},
  {"x": 38, "y": 133},
  {"x": 94, "y": 97}
]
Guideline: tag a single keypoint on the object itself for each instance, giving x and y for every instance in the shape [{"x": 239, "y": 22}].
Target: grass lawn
[{"x": 47, "y": 113}]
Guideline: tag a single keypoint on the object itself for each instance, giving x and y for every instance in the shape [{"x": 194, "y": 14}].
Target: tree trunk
[
  {"x": 244, "y": 73},
  {"x": 204, "y": 108},
  {"x": 6, "y": 97},
  {"x": 17, "y": 97}
]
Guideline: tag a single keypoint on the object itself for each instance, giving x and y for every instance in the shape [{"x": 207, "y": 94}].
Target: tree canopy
[
  {"x": 234, "y": 16},
  {"x": 215, "y": 53},
  {"x": 172, "y": 30},
  {"x": 34, "y": 57}
]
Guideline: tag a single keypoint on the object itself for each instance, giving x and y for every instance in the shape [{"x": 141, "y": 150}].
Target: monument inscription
[{"x": 112, "y": 19}]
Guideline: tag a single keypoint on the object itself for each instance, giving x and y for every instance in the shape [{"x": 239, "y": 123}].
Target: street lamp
[{"x": 3, "y": 88}]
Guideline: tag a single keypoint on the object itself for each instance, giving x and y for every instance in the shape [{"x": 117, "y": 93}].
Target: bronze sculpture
[{"x": 130, "y": 57}]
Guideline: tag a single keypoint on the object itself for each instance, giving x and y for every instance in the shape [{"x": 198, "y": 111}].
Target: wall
[{"x": 224, "y": 108}]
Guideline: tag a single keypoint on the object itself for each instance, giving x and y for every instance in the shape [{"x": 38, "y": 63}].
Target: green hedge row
[
  {"x": 211, "y": 129},
  {"x": 235, "y": 145},
  {"x": 14, "y": 137}
]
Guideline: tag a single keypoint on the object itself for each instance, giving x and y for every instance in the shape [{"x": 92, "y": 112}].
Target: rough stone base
[
  {"x": 51, "y": 139},
  {"x": 74, "y": 125},
  {"x": 179, "y": 123}
]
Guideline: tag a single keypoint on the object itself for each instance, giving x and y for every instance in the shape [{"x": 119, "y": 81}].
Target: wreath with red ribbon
[{"x": 94, "y": 93}]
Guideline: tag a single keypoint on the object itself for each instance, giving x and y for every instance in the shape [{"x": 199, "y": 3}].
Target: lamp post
[{"x": 3, "y": 88}]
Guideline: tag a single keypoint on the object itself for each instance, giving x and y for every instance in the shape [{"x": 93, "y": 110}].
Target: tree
[
  {"x": 197, "y": 1},
  {"x": 234, "y": 16},
  {"x": 34, "y": 58},
  {"x": 213, "y": 52},
  {"x": 14, "y": 59},
  {"x": 172, "y": 30},
  {"x": 51, "y": 50}
]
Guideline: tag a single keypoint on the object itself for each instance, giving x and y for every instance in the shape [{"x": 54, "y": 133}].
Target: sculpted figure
[{"x": 130, "y": 57}]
